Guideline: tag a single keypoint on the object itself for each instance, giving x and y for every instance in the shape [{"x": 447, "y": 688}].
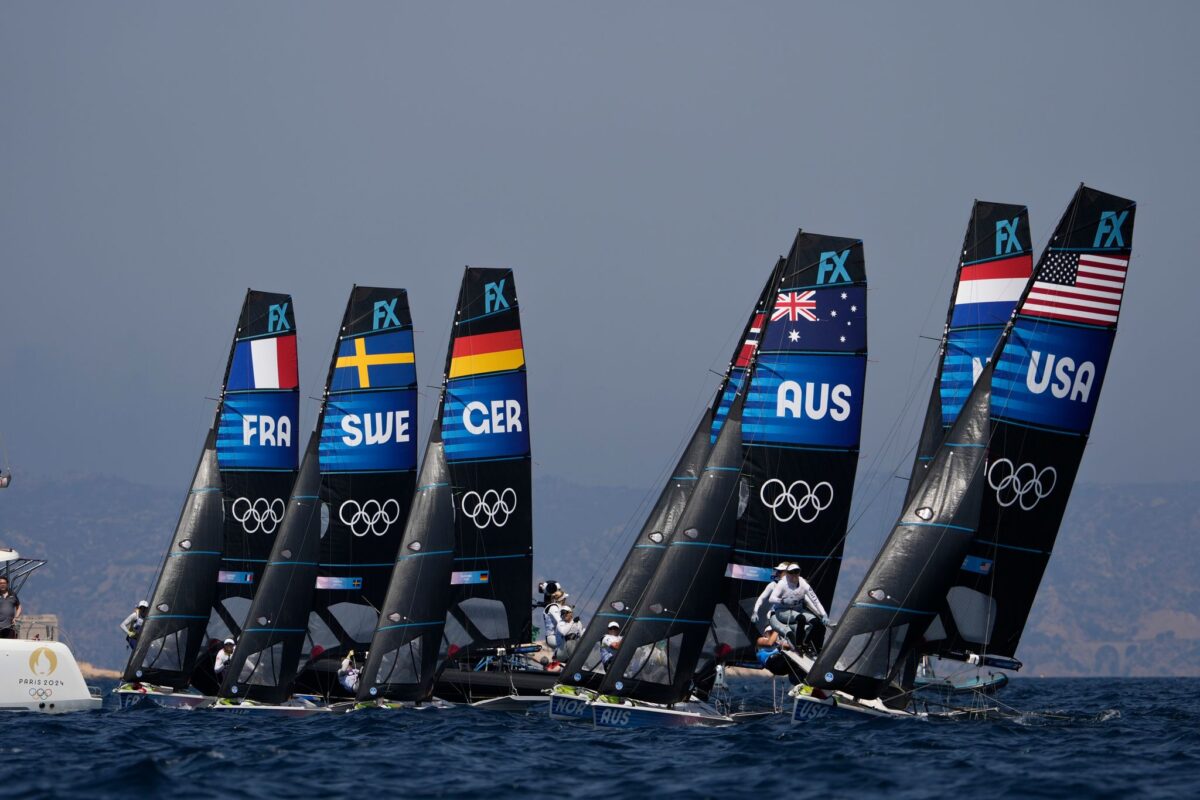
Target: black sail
[
  {"x": 1045, "y": 390},
  {"x": 228, "y": 522},
  {"x": 485, "y": 433},
  {"x": 405, "y": 650},
  {"x": 904, "y": 587},
  {"x": 802, "y": 428},
  {"x": 368, "y": 456},
  {"x": 994, "y": 267},
  {"x": 584, "y": 668},
  {"x": 174, "y": 629},
  {"x": 264, "y": 664}
]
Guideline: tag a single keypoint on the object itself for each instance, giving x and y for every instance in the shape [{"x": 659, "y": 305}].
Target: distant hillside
[{"x": 1120, "y": 596}]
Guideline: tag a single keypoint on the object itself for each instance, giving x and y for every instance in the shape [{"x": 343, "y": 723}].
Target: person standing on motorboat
[
  {"x": 131, "y": 626},
  {"x": 223, "y": 656},
  {"x": 610, "y": 643},
  {"x": 788, "y": 599},
  {"x": 776, "y": 577},
  {"x": 10, "y": 611},
  {"x": 569, "y": 631}
]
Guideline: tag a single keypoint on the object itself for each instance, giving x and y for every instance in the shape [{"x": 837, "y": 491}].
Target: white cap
[
  {"x": 565, "y": 609},
  {"x": 143, "y": 604},
  {"x": 230, "y": 641},
  {"x": 614, "y": 624},
  {"x": 781, "y": 566},
  {"x": 793, "y": 567}
]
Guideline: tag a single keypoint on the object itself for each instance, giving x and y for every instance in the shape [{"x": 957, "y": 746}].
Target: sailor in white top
[
  {"x": 569, "y": 631},
  {"x": 780, "y": 570},
  {"x": 611, "y": 643},
  {"x": 349, "y": 673},
  {"x": 223, "y": 656},
  {"x": 788, "y": 599}
]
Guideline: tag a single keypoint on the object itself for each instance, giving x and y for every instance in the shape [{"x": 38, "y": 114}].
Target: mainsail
[
  {"x": 995, "y": 263},
  {"x": 1044, "y": 394},
  {"x": 584, "y": 668},
  {"x": 484, "y": 418},
  {"x": 801, "y": 431},
  {"x": 325, "y": 580},
  {"x": 233, "y": 510}
]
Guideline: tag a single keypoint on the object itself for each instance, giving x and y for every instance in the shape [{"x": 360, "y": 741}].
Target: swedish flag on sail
[{"x": 379, "y": 361}]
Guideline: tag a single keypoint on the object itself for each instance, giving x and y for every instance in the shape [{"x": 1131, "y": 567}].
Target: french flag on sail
[
  {"x": 268, "y": 363},
  {"x": 989, "y": 290}
]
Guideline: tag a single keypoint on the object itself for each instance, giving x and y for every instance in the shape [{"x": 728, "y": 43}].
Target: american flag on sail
[
  {"x": 751, "y": 343},
  {"x": 1078, "y": 287}
]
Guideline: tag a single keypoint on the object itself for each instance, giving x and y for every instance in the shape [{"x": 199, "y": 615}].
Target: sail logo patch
[
  {"x": 369, "y": 432},
  {"x": 255, "y": 431},
  {"x": 1108, "y": 231},
  {"x": 1050, "y": 375},
  {"x": 490, "y": 508},
  {"x": 493, "y": 297},
  {"x": 1006, "y": 236},
  {"x": 384, "y": 315},
  {"x": 277, "y": 318},
  {"x": 831, "y": 267},
  {"x": 485, "y": 417},
  {"x": 1026, "y": 484},
  {"x": 805, "y": 400}
]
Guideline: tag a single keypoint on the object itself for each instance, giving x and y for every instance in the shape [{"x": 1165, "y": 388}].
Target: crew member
[
  {"x": 569, "y": 630},
  {"x": 553, "y": 598},
  {"x": 349, "y": 673},
  {"x": 611, "y": 643},
  {"x": 223, "y": 656},
  {"x": 131, "y": 626},
  {"x": 776, "y": 576},
  {"x": 788, "y": 599},
  {"x": 10, "y": 611}
]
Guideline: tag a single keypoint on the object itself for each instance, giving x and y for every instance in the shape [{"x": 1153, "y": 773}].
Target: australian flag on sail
[
  {"x": 988, "y": 290},
  {"x": 831, "y": 318},
  {"x": 376, "y": 361}
]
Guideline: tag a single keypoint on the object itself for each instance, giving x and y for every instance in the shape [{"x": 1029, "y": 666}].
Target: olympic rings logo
[
  {"x": 41, "y": 693},
  {"x": 1023, "y": 484},
  {"x": 370, "y": 517},
  {"x": 799, "y": 500},
  {"x": 490, "y": 508},
  {"x": 259, "y": 515}
]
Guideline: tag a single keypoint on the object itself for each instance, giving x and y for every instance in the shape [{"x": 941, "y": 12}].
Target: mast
[
  {"x": 484, "y": 414},
  {"x": 1045, "y": 391},
  {"x": 324, "y": 580},
  {"x": 801, "y": 431},
  {"x": 584, "y": 667},
  {"x": 209, "y": 568},
  {"x": 994, "y": 266}
]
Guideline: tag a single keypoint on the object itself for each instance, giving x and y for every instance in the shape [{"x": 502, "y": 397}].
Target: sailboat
[
  {"x": 974, "y": 537},
  {"x": 327, "y": 574},
  {"x": 230, "y": 517},
  {"x": 458, "y": 590},
  {"x": 792, "y": 428}
]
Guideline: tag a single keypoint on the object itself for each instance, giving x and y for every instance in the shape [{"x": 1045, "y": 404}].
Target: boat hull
[
  {"x": 628, "y": 715},
  {"x": 153, "y": 697},
  {"x": 471, "y": 686},
  {"x": 42, "y": 677},
  {"x": 570, "y": 707}
]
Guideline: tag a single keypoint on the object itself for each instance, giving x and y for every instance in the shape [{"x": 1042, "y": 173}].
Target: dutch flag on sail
[
  {"x": 989, "y": 290},
  {"x": 268, "y": 363}
]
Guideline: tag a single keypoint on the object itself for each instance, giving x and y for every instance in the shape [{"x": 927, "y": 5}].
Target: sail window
[
  {"x": 936, "y": 631},
  {"x": 402, "y": 665},
  {"x": 489, "y": 617},
  {"x": 324, "y": 519},
  {"x": 743, "y": 496},
  {"x": 455, "y": 634},
  {"x": 727, "y": 631},
  {"x": 285, "y": 553},
  {"x": 877, "y": 594},
  {"x": 320, "y": 633},
  {"x": 414, "y": 546},
  {"x": 593, "y": 662},
  {"x": 357, "y": 620},
  {"x": 657, "y": 608},
  {"x": 617, "y": 605},
  {"x": 873, "y": 654},
  {"x": 656, "y": 662},
  {"x": 656, "y": 537},
  {"x": 262, "y": 620},
  {"x": 186, "y": 544},
  {"x": 974, "y": 613},
  {"x": 264, "y": 667},
  {"x": 925, "y": 513},
  {"x": 163, "y": 607},
  {"x": 395, "y": 616},
  {"x": 167, "y": 652},
  {"x": 691, "y": 533}
]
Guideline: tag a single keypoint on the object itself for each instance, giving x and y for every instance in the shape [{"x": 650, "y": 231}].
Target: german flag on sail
[{"x": 487, "y": 352}]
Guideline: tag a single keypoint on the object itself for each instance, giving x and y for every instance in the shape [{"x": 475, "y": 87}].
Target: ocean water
[{"x": 1074, "y": 738}]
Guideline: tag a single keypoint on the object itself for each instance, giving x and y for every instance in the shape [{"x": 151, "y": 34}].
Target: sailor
[
  {"x": 349, "y": 673},
  {"x": 10, "y": 611},
  {"x": 553, "y": 598},
  {"x": 569, "y": 630},
  {"x": 776, "y": 576},
  {"x": 788, "y": 599},
  {"x": 131, "y": 626},
  {"x": 611, "y": 643},
  {"x": 223, "y": 656}
]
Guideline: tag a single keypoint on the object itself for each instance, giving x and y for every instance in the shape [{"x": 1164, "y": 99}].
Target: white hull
[
  {"x": 42, "y": 677},
  {"x": 809, "y": 707},
  {"x": 296, "y": 707},
  {"x": 513, "y": 702},
  {"x": 159, "y": 697}
]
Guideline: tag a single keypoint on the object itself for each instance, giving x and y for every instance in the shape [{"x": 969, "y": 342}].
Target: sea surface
[{"x": 1071, "y": 738}]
